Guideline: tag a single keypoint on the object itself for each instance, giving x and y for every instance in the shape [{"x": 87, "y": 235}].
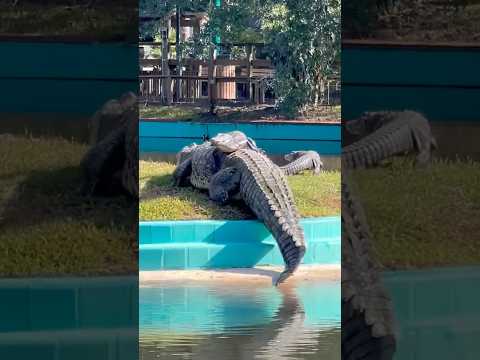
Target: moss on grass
[
  {"x": 423, "y": 217},
  {"x": 314, "y": 195},
  {"x": 47, "y": 226}
]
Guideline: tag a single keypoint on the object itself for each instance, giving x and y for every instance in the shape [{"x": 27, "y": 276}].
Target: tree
[
  {"x": 304, "y": 45},
  {"x": 301, "y": 37}
]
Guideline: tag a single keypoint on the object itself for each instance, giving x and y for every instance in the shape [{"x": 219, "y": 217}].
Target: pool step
[{"x": 227, "y": 244}]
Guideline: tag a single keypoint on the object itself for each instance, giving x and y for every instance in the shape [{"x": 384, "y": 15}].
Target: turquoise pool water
[{"x": 240, "y": 321}]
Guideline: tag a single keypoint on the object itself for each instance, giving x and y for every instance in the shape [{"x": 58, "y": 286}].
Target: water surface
[{"x": 240, "y": 321}]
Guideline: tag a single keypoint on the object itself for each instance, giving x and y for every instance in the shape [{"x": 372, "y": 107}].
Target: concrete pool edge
[
  {"x": 215, "y": 244},
  {"x": 257, "y": 275}
]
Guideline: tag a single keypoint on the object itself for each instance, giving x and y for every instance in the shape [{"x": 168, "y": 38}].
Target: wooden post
[
  {"x": 177, "y": 50},
  {"x": 249, "y": 72},
  {"x": 211, "y": 80},
  {"x": 167, "y": 80}
]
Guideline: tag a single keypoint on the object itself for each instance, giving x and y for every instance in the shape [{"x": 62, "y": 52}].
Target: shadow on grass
[
  {"x": 183, "y": 203},
  {"x": 48, "y": 195},
  {"x": 49, "y": 228}
]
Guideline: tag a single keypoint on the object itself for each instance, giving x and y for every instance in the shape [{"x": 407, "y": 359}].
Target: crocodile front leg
[
  {"x": 182, "y": 173},
  {"x": 224, "y": 184}
]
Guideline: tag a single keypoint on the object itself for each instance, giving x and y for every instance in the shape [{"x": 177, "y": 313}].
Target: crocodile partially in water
[
  {"x": 368, "y": 326},
  {"x": 262, "y": 185},
  {"x": 367, "y": 312}
]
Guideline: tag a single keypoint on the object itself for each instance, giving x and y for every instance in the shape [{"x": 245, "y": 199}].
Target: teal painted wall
[
  {"x": 443, "y": 83},
  {"x": 216, "y": 244},
  {"x": 437, "y": 312},
  {"x": 170, "y": 137},
  {"x": 65, "y": 77},
  {"x": 69, "y": 318}
]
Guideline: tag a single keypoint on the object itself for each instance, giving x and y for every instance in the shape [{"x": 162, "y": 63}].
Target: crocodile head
[
  {"x": 294, "y": 155},
  {"x": 185, "y": 153},
  {"x": 232, "y": 141},
  {"x": 368, "y": 122}
]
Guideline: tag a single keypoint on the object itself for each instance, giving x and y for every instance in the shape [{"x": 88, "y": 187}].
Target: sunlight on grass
[
  {"x": 160, "y": 200},
  {"x": 47, "y": 226},
  {"x": 169, "y": 112},
  {"x": 423, "y": 217}
]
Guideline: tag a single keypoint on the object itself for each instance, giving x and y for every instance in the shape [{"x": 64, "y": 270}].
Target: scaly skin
[
  {"x": 196, "y": 164},
  {"x": 264, "y": 188},
  {"x": 367, "y": 314},
  {"x": 387, "y": 134},
  {"x": 302, "y": 160},
  {"x": 111, "y": 165}
]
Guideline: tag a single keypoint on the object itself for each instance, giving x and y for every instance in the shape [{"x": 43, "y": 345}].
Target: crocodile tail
[{"x": 357, "y": 339}]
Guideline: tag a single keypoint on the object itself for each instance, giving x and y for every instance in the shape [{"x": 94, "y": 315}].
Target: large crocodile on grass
[
  {"x": 196, "y": 164},
  {"x": 263, "y": 186},
  {"x": 302, "y": 160},
  {"x": 111, "y": 164},
  {"x": 385, "y": 134}
]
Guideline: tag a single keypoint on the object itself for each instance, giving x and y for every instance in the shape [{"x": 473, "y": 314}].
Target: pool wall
[
  {"x": 439, "y": 80},
  {"x": 74, "y": 318},
  {"x": 65, "y": 77},
  {"x": 438, "y": 312},
  {"x": 171, "y": 136},
  {"x": 207, "y": 244}
]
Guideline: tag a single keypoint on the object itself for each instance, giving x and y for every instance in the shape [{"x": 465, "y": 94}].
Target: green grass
[
  {"x": 104, "y": 21},
  {"x": 423, "y": 217},
  {"x": 169, "y": 112},
  {"x": 160, "y": 200},
  {"x": 47, "y": 226}
]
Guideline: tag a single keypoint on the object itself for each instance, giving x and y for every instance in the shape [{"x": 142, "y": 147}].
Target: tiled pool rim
[{"x": 209, "y": 244}]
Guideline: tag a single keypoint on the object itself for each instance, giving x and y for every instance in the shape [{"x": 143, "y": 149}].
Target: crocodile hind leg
[
  {"x": 182, "y": 173},
  {"x": 223, "y": 184}
]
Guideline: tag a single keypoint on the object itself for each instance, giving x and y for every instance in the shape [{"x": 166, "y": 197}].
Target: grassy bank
[
  {"x": 160, "y": 200},
  {"x": 47, "y": 227},
  {"x": 237, "y": 113},
  {"x": 106, "y": 20},
  {"x": 423, "y": 217}
]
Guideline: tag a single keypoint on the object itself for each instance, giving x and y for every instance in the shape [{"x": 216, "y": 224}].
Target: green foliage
[
  {"x": 302, "y": 39},
  {"x": 359, "y": 17},
  {"x": 304, "y": 45}
]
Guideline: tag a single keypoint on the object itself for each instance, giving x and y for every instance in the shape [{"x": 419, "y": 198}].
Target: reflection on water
[{"x": 240, "y": 321}]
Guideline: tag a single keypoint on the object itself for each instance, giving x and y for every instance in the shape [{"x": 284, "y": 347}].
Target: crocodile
[
  {"x": 385, "y": 134},
  {"x": 261, "y": 184},
  {"x": 302, "y": 160},
  {"x": 196, "y": 164},
  {"x": 367, "y": 313},
  {"x": 111, "y": 165},
  {"x": 106, "y": 118}
]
